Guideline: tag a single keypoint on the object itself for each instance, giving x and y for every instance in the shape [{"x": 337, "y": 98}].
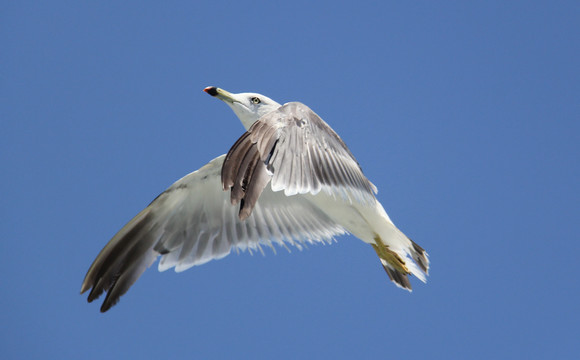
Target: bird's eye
[{"x": 256, "y": 100}]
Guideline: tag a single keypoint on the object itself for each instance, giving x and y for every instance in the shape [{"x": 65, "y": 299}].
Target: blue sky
[{"x": 464, "y": 114}]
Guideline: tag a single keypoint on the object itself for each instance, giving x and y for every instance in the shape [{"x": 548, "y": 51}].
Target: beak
[{"x": 220, "y": 94}]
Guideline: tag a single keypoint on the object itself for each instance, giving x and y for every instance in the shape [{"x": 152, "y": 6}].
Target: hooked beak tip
[{"x": 212, "y": 90}]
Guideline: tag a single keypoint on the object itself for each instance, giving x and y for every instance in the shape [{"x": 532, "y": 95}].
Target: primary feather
[{"x": 289, "y": 179}]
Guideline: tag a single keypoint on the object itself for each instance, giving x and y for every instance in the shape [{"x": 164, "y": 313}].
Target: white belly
[
  {"x": 363, "y": 221},
  {"x": 346, "y": 214}
]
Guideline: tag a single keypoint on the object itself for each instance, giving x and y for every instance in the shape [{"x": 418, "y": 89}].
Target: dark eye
[{"x": 255, "y": 100}]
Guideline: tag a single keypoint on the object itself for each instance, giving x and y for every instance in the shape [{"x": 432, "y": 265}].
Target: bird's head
[{"x": 249, "y": 107}]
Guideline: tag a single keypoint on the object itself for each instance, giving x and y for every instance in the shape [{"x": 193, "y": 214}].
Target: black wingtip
[{"x": 107, "y": 305}]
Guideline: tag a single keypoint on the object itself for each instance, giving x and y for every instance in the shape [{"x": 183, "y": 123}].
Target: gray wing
[
  {"x": 193, "y": 222},
  {"x": 299, "y": 153}
]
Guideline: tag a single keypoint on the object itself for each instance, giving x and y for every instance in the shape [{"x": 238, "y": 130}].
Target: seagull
[{"x": 289, "y": 179}]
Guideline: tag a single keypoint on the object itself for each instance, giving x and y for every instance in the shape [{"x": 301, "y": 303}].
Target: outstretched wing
[
  {"x": 193, "y": 222},
  {"x": 299, "y": 153}
]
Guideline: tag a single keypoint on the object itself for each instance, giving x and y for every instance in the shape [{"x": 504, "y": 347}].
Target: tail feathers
[
  {"x": 412, "y": 261},
  {"x": 420, "y": 256},
  {"x": 122, "y": 261},
  {"x": 400, "y": 279}
]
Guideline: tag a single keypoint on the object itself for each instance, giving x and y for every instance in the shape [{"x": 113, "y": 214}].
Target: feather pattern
[
  {"x": 301, "y": 154},
  {"x": 317, "y": 191},
  {"x": 193, "y": 222}
]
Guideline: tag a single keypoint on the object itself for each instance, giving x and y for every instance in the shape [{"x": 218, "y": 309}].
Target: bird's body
[{"x": 288, "y": 179}]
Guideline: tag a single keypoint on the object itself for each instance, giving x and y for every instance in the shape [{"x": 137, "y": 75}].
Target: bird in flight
[{"x": 289, "y": 179}]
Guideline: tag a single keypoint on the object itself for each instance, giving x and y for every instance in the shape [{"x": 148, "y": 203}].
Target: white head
[{"x": 249, "y": 107}]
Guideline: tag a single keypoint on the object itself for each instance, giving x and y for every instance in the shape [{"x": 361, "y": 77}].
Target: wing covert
[
  {"x": 301, "y": 153},
  {"x": 193, "y": 222}
]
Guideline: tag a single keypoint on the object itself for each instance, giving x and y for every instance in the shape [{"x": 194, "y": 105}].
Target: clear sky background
[{"x": 464, "y": 114}]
